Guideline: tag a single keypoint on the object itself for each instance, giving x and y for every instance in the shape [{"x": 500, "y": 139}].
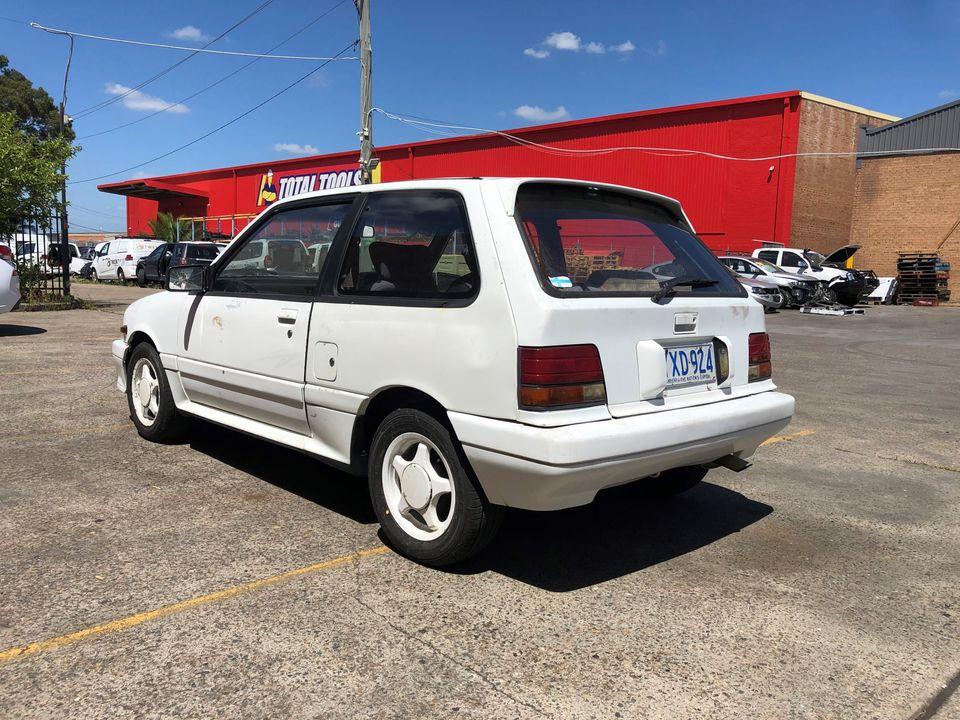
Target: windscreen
[
  {"x": 768, "y": 266},
  {"x": 590, "y": 240}
]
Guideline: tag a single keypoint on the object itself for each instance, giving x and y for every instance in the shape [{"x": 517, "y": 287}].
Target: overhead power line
[
  {"x": 157, "y": 76},
  {"x": 220, "y": 127},
  {"x": 191, "y": 50},
  {"x": 430, "y": 126},
  {"x": 217, "y": 82},
  {"x": 95, "y": 212}
]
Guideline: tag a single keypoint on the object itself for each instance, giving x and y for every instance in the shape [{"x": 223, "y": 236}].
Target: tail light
[
  {"x": 7, "y": 254},
  {"x": 760, "y": 365},
  {"x": 560, "y": 376},
  {"x": 128, "y": 258}
]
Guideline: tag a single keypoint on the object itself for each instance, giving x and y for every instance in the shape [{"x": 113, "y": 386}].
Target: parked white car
[
  {"x": 795, "y": 289},
  {"x": 117, "y": 259},
  {"x": 9, "y": 286},
  {"x": 459, "y": 348},
  {"x": 840, "y": 284}
]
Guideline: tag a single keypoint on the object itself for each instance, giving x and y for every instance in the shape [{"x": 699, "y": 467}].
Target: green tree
[
  {"x": 35, "y": 111},
  {"x": 30, "y": 173},
  {"x": 165, "y": 228}
]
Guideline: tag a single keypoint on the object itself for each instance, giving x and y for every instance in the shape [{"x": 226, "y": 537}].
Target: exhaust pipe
[{"x": 731, "y": 462}]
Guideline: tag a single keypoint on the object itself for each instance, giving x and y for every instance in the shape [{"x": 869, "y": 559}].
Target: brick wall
[
  {"x": 907, "y": 204},
  {"x": 823, "y": 187}
]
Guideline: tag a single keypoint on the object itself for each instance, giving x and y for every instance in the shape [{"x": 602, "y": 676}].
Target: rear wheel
[
  {"x": 141, "y": 277},
  {"x": 428, "y": 504},
  {"x": 149, "y": 398}
]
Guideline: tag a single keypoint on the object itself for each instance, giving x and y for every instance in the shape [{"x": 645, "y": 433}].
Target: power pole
[{"x": 366, "y": 94}]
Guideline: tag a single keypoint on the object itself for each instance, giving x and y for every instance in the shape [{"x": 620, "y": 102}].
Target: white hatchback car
[
  {"x": 468, "y": 344},
  {"x": 9, "y": 283}
]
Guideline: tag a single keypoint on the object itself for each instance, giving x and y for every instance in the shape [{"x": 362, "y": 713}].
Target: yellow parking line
[
  {"x": 140, "y": 618},
  {"x": 70, "y": 433},
  {"x": 785, "y": 438}
]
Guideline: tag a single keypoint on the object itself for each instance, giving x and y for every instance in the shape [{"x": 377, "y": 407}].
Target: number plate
[{"x": 690, "y": 365}]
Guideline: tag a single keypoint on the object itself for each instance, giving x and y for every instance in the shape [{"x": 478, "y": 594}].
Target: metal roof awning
[{"x": 151, "y": 189}]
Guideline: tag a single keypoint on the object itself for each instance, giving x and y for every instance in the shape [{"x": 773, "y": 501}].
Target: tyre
[
  {"x": 786, "y": 299},
  {"x": 141, "y": 277},
  {"x": 674, "y": 482},
  {"x": 430, "y": 507},
  {"x": 120, "y": 277},
  {"x": 149, "y": 399},
  {"x": 94, "y": 276}
]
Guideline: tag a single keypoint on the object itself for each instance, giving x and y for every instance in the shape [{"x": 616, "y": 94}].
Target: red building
[{"x": 734, "y": 205}]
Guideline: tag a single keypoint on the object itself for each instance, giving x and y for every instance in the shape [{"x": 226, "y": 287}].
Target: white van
[
  {"x": 467, "y": 345},
  {"x": 117, "y": 258}
]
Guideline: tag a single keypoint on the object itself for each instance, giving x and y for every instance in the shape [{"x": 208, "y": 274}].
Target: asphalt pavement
[{"x": 225, "y": 577}]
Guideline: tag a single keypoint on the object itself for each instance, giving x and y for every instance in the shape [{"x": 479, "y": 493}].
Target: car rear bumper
[{"x": 552, "y": 468}]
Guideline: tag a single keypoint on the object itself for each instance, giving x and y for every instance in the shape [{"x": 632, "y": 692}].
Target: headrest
[{"x": 392, "y": 261}]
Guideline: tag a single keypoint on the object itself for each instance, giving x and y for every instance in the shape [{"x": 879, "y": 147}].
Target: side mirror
[{"x": 186, "y": 278}]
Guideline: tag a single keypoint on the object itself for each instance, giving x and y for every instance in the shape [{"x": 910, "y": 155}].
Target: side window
[
  {"x": 275, "y": 259},
  {"x": 104, "y": 250},
  {"x": 749, "y": 267},
  {"x": 792, "y": 260},
  {"x": 768, "y": 255},
  {"x": 411, "y": 245}
]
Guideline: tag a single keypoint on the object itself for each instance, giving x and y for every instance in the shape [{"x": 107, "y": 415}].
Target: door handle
[{"x": 287, "y": 317}]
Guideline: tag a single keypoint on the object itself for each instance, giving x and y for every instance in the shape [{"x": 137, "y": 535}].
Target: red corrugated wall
[{"x": 733, "y": 205}]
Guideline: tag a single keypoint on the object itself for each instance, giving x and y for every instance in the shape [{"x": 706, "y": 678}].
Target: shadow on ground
[
  {"x": 20, "y": 330},
  {"x": 623, "y": 531},
  {"x": 286, "y": 469}
]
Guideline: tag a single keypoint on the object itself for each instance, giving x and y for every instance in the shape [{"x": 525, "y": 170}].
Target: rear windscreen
[
  {"x": 585, "y": 239},
  {"x": 202, "y": 252}
]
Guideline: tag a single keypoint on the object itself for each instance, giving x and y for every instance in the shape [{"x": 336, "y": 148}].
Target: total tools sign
[{"x": 273, "y": 187}]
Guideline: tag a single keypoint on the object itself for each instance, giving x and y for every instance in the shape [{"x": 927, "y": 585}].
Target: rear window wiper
[{"x": 669, "y": 287}]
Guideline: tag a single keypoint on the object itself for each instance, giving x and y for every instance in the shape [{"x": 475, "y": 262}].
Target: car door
[
  {"x": 245, "y": 339},
  {"x": 101, "y": 262}
]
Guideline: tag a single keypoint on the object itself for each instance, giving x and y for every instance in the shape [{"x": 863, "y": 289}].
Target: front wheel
[
  {"x": 94, "y": 276},
  {"x": 120, "y": 276},
  {"x": 149, "y": 398},
  {"x": 141, "y": 277},
  {"x": 428, "y": 504}
]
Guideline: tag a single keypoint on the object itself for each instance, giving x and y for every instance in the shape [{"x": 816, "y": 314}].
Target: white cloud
[
  {"x": 659, "y": 50},
  {"x": 296, "y": 149},
  {"x": 625, "y": 47},
  {"x": 190, "y": 33},
  {"x": 947, "y": 94},
  {"x": 595, "y": 48},
  {"x": 538, "y": 54},
  {"x": 136, "y": 100},
  {"x": 535, "y": 113},
  {"x": 563, "y": 41}
]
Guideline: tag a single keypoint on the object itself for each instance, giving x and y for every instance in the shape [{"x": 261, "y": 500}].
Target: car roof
[{"x": 507, "y": 187}]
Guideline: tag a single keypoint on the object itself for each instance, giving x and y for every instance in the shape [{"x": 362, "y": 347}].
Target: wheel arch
[{"x": 378, "y": 406}]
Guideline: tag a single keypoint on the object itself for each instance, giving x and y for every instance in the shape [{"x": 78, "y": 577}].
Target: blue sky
[{"x": 497, "y": 64}]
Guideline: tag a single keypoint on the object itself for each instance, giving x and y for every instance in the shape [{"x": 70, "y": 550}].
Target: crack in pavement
[
  {"x": 932, "y": 706},
  {"x": 358, "y": 596},
  {"x": 899, "y": 458}
]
